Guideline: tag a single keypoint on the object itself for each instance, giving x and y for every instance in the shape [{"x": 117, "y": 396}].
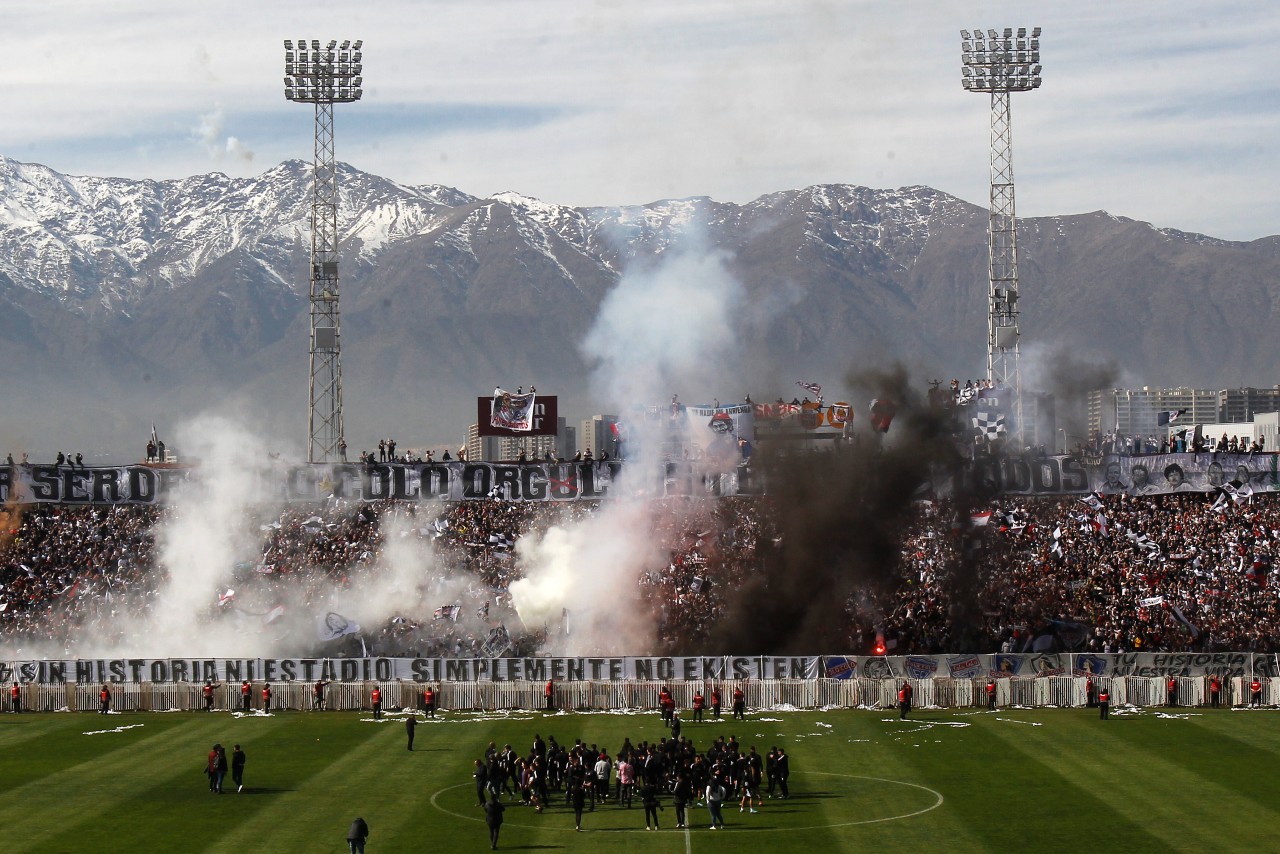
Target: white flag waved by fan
[{"x": 333, "y": 625}]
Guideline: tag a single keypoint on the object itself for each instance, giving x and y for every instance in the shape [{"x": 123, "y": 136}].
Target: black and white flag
[{"x": 989, "y": 424}]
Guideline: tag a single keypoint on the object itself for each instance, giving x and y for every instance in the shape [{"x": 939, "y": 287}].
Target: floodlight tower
[
  {"x": 324, "y": 76},
  {"x": 1001, "y": 63}
]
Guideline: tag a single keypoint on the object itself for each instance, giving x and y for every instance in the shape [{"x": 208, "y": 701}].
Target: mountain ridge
[{"x": 149, "y": 300}]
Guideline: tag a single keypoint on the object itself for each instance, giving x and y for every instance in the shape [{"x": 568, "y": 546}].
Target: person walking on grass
[
  {"x": 410, "y": 724},
  {"x": 237, "y": 767},
  {"x": 716, "y": 793},
  {"x": 578, "y": 798},
  {"x": 356, "y": 835},
  {"x": 493, "y": 817}
]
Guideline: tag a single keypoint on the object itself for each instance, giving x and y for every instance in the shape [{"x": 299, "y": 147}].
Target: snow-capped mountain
[{"x": 124, "y": 302}]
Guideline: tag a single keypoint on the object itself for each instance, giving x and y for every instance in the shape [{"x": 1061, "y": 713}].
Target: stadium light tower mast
[
  {"x": 1001, "y": 63},
  {"x": 324, "y": 76}
]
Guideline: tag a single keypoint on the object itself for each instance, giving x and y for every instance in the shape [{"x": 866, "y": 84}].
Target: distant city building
[
  {"x": 537, "y": 447},
  {"x": 1131, "y": 412},
  {"x": 482, "y": 448},
  {"x": 597, "y": 435},
  {"x": 1242, "y": 404},
  {"x": 1039, "y": 420},
  {"x": 1134, "y": 412}
]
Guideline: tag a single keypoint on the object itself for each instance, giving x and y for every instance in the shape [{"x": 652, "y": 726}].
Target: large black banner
[
  {"x": 454, "y": 481},
  {"x": 635, "y": 668}
]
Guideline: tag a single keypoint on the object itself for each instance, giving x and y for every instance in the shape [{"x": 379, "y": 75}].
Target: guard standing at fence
[
  {"x": 1255, "y": 692},
  {"x": 376, "y": 699},
  {"x": 246, "y": 695},
  {"x": 1104, "y": 704},
  {"x": 550, "y": 692},
  {"x": 207, "y": 692},
  {"x": 1171, "y": 690},
  {"x": 15, "y": 698},
  {"x": 739, "y": 704},
  {"x": 317, "y": 695},
  {"x": 904, "y": 700},
  {"x": 991, "y": 694},
  {"x": 698, "y": 703},
  {"x": 429, "y": 701},
  {"x": 266, "y": 697},
  {"x": 1090, "y": 692},
  {"x": 104, "y": 701},
  {"x": 1215, "y": 691},
  {"x": 715, "y": 703},
  {"x": 410, "y": 724}
]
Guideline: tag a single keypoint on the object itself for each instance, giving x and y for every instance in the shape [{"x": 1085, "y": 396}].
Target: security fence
[{"x": 603, "y": 695}]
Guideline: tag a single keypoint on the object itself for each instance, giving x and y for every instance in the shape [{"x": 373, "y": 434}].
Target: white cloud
[{"x": 1163, "y": 115}]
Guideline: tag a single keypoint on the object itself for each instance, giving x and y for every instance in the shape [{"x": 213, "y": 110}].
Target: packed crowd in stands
[{"x": 1145, "y": 573}]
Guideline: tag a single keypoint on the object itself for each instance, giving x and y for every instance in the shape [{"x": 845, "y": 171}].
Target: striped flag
[{"x": 813, "y": 388}]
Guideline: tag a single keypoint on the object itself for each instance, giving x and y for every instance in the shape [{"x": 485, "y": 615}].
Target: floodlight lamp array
[
  {"x": 329, "y": 74},
  {"x": 1000, "y": 62}
]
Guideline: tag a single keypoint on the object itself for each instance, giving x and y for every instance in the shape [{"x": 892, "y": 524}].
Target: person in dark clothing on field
[
  {"x": 493, "y": 817},
  {"x": 237, "y": 767},
  {"x": 356, "y": 835},
  {"x": 578, "y": 799},
  {"x": 683, "y": 794},
  {"x": 649, "y": 797},
  {"x": 481, "y": 775},
  {"x": 410, "y": 723},
  {"x": 1104, "y": 704},
  {"x": 782, "y": 771}
]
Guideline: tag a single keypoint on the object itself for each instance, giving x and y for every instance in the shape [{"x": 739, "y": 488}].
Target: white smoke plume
[
  {"x": 211, "y": 540},
  {"x": 204, "y": 537},
  {"x": 664, "y": 329},
  {"x": 209, "y": 132}
]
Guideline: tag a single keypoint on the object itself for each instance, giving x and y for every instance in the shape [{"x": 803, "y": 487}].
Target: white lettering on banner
[
  {"x": 635, "y": 668},
  {"x": 454, "y": 481},
  {"x": 1155, "y": 474}
]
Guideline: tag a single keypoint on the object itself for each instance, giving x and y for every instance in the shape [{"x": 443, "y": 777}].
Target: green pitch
[{"x": 1044, "y": 780}]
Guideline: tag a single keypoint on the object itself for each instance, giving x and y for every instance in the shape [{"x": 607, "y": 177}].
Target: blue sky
[{"x": 1165, "y": 112}]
